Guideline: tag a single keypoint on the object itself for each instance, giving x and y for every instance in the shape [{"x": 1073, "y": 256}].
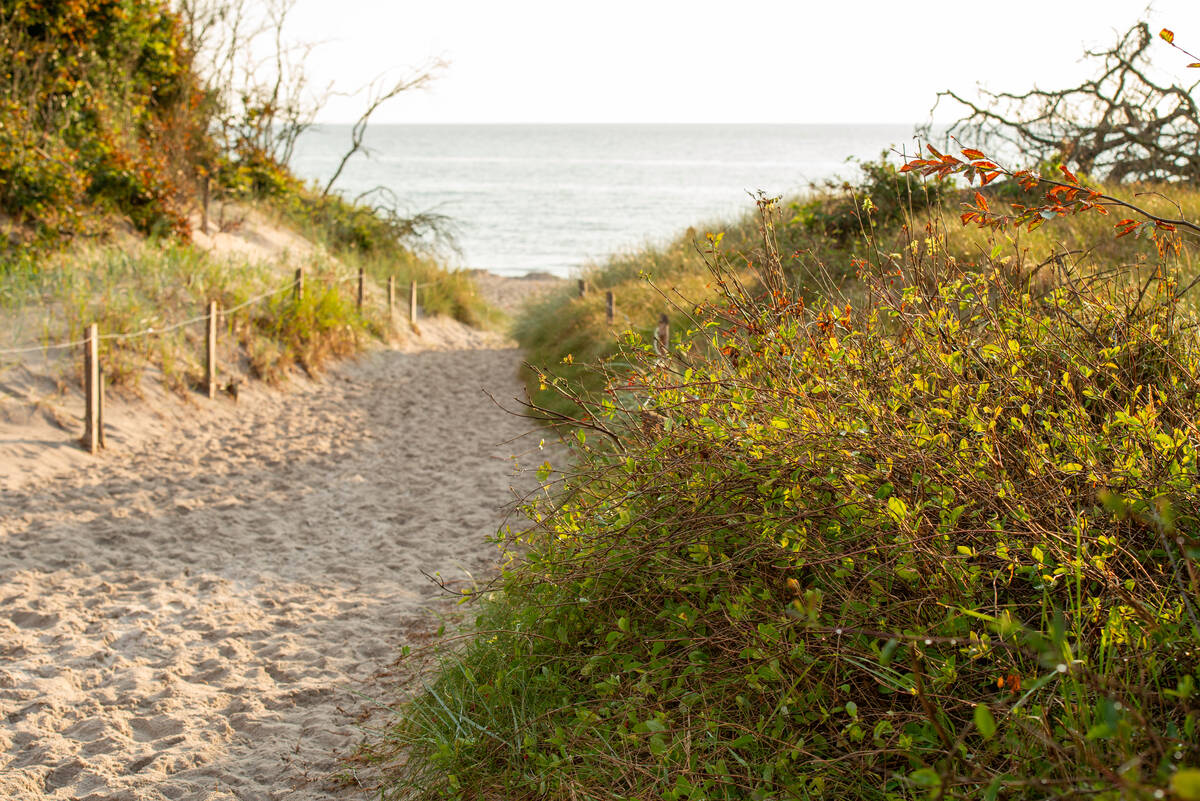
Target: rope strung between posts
[{"x": 174, "y": 327}]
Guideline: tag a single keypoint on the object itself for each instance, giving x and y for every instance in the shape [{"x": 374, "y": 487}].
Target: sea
[{"x": 555, "y": 198}]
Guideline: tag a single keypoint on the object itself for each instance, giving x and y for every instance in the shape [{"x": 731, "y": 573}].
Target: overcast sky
[{"x": 704, "y": 61}]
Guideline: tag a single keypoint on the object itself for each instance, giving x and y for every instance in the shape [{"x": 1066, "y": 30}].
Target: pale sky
[{"x": 849, "y": 61}]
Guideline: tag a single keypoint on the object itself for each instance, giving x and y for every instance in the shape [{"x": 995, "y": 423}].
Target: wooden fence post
[
  {"x": 412, "y": 303},
  {"x": 210, "y": 351},
  {"x": 100, "y": 409},
  {"x": 361, "y": 273},
  {"x": 298, "y": 286},
  {"x": 582, "y": 287},
  {"x": 91, "y": 383},
  {"x": 391, "y": 296},
  {"x": 204, "y": 215},
  {"x": 610, "y": 306},
  {"x": 662, "y": 336}
]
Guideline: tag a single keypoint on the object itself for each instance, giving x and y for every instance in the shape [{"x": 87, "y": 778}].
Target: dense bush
[
  {"x": 941, "y": 544},
  {"x": 881, "y": 195},
  {"x": 102, "y": 117}
]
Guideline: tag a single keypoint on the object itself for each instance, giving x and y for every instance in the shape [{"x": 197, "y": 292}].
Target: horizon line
[{"x": 610, "y": 122}]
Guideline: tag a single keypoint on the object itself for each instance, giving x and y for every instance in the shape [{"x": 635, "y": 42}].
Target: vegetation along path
[{"x": 196, "y": 620}]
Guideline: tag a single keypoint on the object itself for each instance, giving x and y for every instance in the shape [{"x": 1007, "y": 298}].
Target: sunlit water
[{"x": 554, "y": 197}]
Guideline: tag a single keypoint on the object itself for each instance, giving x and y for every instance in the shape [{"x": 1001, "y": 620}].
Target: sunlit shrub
[{"x": 942, "y": 543}]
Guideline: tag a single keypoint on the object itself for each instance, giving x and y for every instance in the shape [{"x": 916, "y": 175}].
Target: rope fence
[{"x": 93, "y": 371}]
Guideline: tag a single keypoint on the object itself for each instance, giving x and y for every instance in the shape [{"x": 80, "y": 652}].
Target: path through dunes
[{"x": 191, "y": 621}]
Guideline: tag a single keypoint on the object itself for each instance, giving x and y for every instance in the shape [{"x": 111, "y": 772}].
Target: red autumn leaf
[
  {"x": 972, "y": 153},
  {"x": 988, "y": 177},
  {"x": 1070, "y": 176},
  {"x": 934, "y": 151},
  {"x": 981, "y": 202},
  {"x": 1167, "y": 35}
]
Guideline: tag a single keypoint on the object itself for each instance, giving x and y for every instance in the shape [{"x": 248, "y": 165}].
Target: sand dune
[{"x": 191, "y": 618}]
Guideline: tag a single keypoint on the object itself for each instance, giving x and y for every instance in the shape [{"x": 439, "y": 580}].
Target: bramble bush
[{"x": 943, "y": 544}]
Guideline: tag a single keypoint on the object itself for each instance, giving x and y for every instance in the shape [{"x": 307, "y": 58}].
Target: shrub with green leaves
[
  {"x": 882, "y": 195},
  {"x": 944, "y": 544},
  {"x": 103, "y": 117}
]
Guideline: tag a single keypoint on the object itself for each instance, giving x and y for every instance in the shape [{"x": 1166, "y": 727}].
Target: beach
[{"x": 204, "y": 613}]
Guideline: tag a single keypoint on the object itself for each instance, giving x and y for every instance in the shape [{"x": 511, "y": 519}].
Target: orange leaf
[
  {"x": 933, "y": 150},
  {"x": 981, "y": 201},
  {"x": 1167, "y": 35},
  {"x": 1194, "y": 64},
  {"x": 972, "y": 153},
  {"x": 1070, "y": 176}
]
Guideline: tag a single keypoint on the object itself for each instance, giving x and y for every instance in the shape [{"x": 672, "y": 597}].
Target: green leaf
[
  {"x": 984, "y": 721},
  {"x": 1186, "y": 784},
  {"x": 929, "y": 778}
]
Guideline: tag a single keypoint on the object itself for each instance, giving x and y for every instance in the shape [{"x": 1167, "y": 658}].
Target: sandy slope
[{"x": 188, "y": 618}]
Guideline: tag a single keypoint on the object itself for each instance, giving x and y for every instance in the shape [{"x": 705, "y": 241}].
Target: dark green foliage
[{"x": 882, "y": 195}]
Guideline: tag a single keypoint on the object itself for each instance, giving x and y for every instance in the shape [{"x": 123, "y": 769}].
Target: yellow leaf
[
  {"x": 1167, "y": 35},
  {"x": 1186, "y": 784}
]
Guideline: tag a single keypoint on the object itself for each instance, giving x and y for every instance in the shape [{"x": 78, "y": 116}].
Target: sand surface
[{"x": 193, "y": 614}]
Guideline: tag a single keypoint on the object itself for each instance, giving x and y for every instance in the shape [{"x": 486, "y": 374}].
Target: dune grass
[
  {"x": 819, "y": 236},
  {"x": 141, "y": 287}
]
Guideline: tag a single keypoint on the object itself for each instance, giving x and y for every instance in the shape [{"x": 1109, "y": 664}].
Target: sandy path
[{"x": 191, "y": 620}]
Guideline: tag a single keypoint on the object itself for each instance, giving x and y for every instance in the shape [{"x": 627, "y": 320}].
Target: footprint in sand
[{"x": 204, "y": 638}]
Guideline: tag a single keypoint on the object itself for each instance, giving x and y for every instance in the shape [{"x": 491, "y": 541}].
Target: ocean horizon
[{"x": 555, "y": 197}]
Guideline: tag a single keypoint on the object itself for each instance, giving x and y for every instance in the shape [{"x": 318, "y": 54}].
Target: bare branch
[
  {"x": 1119, "y": 126},
  {"x": 378, "y": 94}
]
